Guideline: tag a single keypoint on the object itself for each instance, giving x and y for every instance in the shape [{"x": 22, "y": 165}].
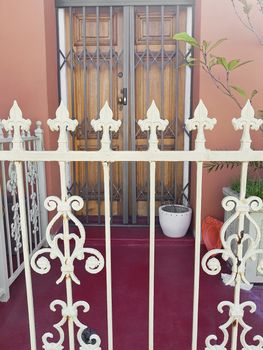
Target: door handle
[{"x": 123, "y": 99}]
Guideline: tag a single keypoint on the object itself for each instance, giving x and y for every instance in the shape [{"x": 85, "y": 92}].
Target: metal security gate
[
  {"x": 127, "y": 56},
  {"x": 67, "y": 247}
]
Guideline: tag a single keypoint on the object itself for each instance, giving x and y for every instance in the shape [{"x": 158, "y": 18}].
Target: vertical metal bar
[
  {"x": 176, "y": 100},
  {"x": 98, "y": 103},
  {"x": 28, "y": 207},
  {"x": 152, "y": 255},
  {"x": 199, "y": 178},
  {"x": 58, "y": 24},
  {"x": 147, "y": 100},
  {"x": 40, "y": 233},
  {"x": 72, "y": 91},
  {"x": 85, "y": 109},
  {"x": 29, "y": 290},
  {"x": 162, "y": 99},
  {"x": 125, "y": 166},
  {"x": 106, "y": 174},
  {"x": 7, "y": 223},
  {"x": 4, "y": 251},
  {"x": 42, "y": 186},
  {"x": 132, "y": 114},
  {"x": 111, "y": 105},
  {"x": 241, "y": 221},
  {"x": 187, "y": 108},
  {"x": 111, "y": 48},
  {"x": 147, "y": 59},
  {"x": 66, "y": 239}
]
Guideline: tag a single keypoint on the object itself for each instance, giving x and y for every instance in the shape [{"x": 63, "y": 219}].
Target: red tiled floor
[{"x": 173, "y": 296}]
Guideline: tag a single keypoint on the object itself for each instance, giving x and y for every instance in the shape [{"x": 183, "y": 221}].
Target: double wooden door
[{"x": 126, "y": 55}]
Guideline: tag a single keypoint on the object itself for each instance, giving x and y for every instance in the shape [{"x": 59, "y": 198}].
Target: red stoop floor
[{"x": 173, "y": 296}]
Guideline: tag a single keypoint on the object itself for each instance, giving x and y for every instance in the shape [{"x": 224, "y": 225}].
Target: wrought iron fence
[
  {"x": 66, "y": 206},
  {"x": 11, "y": 257}
]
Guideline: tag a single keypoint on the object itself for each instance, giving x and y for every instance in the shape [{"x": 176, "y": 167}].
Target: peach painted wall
[
  {"x": 28, "y": 71},
  {"x": 216, "y": 19}
]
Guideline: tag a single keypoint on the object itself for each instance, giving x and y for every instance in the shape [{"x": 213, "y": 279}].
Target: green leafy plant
[
  {"x": 254, "y": 187},
  {"x": 209, "y": 61},
  {"x": 214, "y": 165}
]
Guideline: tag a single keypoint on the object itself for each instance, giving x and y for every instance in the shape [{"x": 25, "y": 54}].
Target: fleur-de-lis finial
[
  {"x": 62, "y": 123},
  {"x": 17, "y": 123},
  {"x": 106, "y": 123},
  {"x": 152, "y": 123},
  {"x": 200, "y": 122},
  {"x": 246, "y": 122}
]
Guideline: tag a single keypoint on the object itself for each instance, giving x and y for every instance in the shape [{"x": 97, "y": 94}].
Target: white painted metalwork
[
  {"x": 11, "y": 264},
  {"x": 73, "y": 244},
  {"x": 246, "y": 122},
  {"x": 152, "y": 123},
  {"x": 199, "y": 122},
  {"x": 106, "y": 123},
  {"x": 233, "y": 248}
]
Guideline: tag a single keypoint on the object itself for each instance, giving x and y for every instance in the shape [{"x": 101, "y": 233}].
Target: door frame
[
  {"x": 81, "y": 3},
  {"x": 128, "y": 20}
]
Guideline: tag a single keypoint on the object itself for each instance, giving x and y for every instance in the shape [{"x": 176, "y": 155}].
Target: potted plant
[{"x": 175, "y": 219}]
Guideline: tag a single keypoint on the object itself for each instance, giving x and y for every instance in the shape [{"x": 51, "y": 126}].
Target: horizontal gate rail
[
  {"x": 132, "y": 156},
  {"x": 235, "y": 328}
]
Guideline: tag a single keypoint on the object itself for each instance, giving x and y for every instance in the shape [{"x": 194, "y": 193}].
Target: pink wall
[
  {"x": 29, "y": 74},
  {"x": 216, "y": 19},
  {"x": 28, "y": 65}
]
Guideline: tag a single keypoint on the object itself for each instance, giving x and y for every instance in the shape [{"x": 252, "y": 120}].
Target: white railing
[
  {"x": 11, "y": 258},
  {"x": 232, "y": 246}
]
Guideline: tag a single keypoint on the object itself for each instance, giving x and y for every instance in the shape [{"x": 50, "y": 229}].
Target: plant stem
[{"x": 249, "y": 25}]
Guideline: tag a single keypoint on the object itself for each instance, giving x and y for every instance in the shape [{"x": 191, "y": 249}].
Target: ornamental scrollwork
[
  {"x": 12, "y": 182},
  {"x": 73, "y": 249},
  {"x": 211, "y": 264},
  {"x": 16, "y": 224},
  {"x": 236, "y": 314},
  {"x": 40, "y": 264},
  {"x": 31, "y": 173},
  {"x": 70, "y": 312},
  {"x": 238, "y": 248},
  {"x": 34, "y": 213},
  {"x": 31, "y": 177},
  {"x": 16, "y": 227}
]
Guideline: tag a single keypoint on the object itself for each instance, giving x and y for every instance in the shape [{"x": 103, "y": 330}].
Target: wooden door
[
  {"x": 97, "y": 42},
  {"x": 159, "y": 74},
  {"x": 111, "y": 48}
]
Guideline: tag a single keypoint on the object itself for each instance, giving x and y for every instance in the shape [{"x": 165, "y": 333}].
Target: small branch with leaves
[
  {"x": 246, "y": 18},
  {"x": 209, "y": 61}
]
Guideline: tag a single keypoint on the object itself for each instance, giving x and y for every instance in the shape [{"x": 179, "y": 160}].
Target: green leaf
[
  {"x": 183, "y": 36},
  {"x": 205, "y": 44},
  {"x": 239, "y": 90},
  {"x": 243, "y": 63},
  {"x": 223, "y": 62},
  {"x": 217, "y": 43},
  {"x": 232, "y": 64},
  {"x": 212, "y": 62}
]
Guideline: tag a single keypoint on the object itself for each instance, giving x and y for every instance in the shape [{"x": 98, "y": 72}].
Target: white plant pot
[{"x": 175, "y": 219}]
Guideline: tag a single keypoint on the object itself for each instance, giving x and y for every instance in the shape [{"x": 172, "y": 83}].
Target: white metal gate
[{"x": 65, "y": 207}]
